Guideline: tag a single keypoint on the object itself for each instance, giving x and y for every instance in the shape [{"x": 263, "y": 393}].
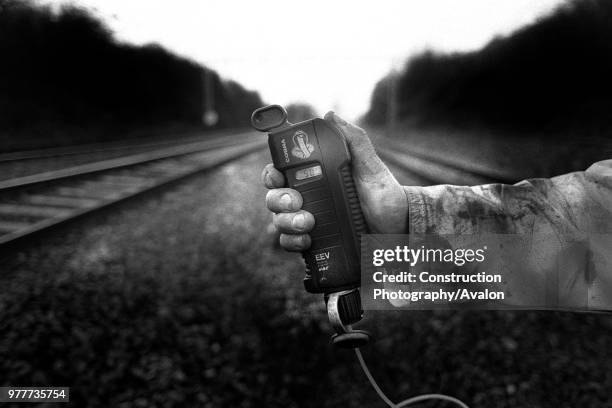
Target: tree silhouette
[
  {"x": 65, "y": 72},
  {"x": 549, "y": 75}
]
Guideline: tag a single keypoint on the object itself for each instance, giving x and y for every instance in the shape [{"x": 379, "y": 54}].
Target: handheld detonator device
[{"x": 314, "y": 157}]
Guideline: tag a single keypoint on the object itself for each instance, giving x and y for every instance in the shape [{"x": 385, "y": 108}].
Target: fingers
[
  {"x": 295, "y": 243},
  {"x": 299, "y": 222},
  {"x": 294, "y": 227},
  {"x": 366, "y": 163},
  {"x": 283, "y": 200},
  {"x": 271, "y": 177},
  {"x": 292, "y": 222}
]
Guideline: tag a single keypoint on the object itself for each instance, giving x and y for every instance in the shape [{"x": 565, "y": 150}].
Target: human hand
[{"x": 382, "y": 198}]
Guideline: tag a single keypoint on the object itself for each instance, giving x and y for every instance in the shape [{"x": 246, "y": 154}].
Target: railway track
[
  {"x": 39, "y": 202},
  {"x": 120, "y": 146},
  {"x": 434, "y": 168}
]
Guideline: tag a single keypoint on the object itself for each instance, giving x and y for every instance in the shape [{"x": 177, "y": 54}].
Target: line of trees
[
  {"x": 65, "y": 72},
  {"x": 555, "y": 73}
]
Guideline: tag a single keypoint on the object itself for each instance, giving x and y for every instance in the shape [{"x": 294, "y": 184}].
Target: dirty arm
[{"x": 575, "y": 208}]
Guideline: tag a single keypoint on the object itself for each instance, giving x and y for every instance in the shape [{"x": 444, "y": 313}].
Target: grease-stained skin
[{"x": 573, "y": 212}]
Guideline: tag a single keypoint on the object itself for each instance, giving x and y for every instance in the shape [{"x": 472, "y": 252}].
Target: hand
[{"x": 382, "y": 198}]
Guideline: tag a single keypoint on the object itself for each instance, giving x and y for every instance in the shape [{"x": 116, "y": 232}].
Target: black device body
[{"x": 315, "y": 160}]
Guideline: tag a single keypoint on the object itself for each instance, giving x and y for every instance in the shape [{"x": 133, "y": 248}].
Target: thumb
[
  {"x": 367, "y": 166},
  {"x": 382, "y": 198}
]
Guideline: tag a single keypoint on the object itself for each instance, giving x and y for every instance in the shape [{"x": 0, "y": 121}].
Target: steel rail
[
  {"x": 441, "y": 170},
  {"x": 39, "y": 203},
  {"x": 118, "y": 162},
  {"x": 117, "y": 145}
]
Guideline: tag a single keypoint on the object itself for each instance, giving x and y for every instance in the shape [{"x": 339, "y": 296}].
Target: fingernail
[
  {"x": 299, "y": 221},
  {"x": 285, "y": 201},
  {"x": 268, "y": 179},
  {"x": 339, "y": 120}
]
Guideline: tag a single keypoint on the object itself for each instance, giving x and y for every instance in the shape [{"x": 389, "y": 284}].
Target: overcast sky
[{"x": 329, "y": 53}]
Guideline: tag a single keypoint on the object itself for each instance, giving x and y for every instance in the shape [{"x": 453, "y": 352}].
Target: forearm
[
  {"x": 543, "y": 205},
  {"x": 560, "y": 219}
]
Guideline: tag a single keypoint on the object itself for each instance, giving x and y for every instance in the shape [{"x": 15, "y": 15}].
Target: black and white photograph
[{"x": 224, "y": 203}]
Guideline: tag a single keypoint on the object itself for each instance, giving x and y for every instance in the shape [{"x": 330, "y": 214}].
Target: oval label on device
[{"x": 302, "y": 147}]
